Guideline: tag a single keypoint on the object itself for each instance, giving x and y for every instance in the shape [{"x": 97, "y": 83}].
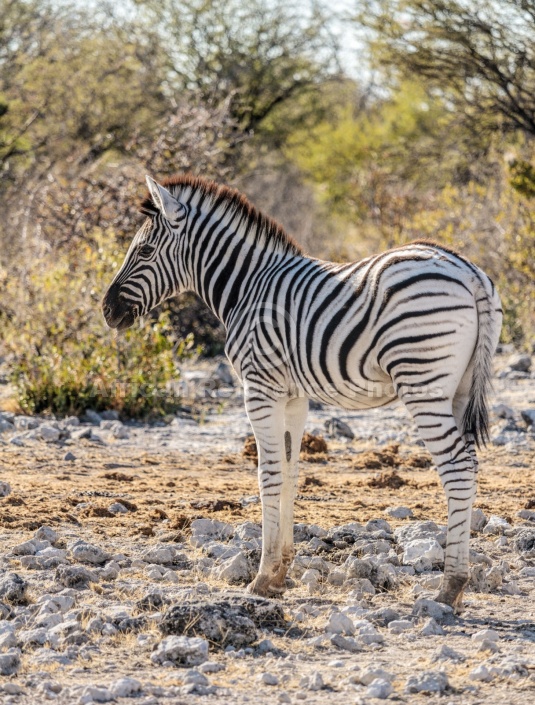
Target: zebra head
[{"x": 150, "y": 272}]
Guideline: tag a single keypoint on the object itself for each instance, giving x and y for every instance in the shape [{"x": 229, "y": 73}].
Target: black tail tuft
[{"x": 476, "y": 419}]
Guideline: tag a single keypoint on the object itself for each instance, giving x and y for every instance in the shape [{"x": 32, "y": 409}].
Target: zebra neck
[{"x": 230, "y": 275}]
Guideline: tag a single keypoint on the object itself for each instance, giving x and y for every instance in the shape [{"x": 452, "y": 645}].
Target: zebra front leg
[
  {"x": 295, "y": 417},
  {"x": 267, "y": 419}
]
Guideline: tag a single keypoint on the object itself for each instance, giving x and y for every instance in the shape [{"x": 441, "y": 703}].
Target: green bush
[{"x": 63, "y": 356}]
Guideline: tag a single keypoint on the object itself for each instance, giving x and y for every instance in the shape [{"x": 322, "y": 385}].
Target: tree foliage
[
  {"x": 479, "y": 54},
  {"x": 256, "y": 55}
]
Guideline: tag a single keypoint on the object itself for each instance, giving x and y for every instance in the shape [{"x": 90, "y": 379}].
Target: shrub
[{"x": 64, "y": 358}]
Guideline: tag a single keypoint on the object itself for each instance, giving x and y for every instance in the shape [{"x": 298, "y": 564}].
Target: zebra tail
[{"x": 476, "y": 414}]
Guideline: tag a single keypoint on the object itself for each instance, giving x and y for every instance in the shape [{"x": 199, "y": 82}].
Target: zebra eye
[{"x": 146, "y": 250}]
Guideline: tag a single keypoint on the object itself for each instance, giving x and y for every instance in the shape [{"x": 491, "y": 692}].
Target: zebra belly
[{"x": 354, "y": 394}]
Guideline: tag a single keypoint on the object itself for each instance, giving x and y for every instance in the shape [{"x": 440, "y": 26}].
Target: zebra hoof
[
  {"x": 451, "y": 593},
  {"x": 263, "y": 587}
]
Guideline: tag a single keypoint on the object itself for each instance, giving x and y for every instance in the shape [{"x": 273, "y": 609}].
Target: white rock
[
  {"x": 519, "y": 362},
  {"x": 431, "y": 582},
  {"x": 526, "y": 514},
  {"x": 46, "y": 533},
  {"x": 5, "y": 425},
  {"x": 311, "y": 578},
  {"x": 248, "y": 530},
  {"x": 340, "y": 624},
  {"x": 423, "y": 548},
  {"x": 234, "y": 570},
  {"x": 494, "y": 578},
  {"x": 431, "y": 628},
  {"x": 429, "y": 608},
  {"x": 48, "y": 433},
  {"x": 483, "y": 634},
  {"x": 182, "y": 650},
  {"x": 5, "y": 489},
  {"x": 94, "y": 694},
  {"x": 528, "y": 415},
  {"x": 346, "y": 643},
  {"x": 10, "y": 662},
  {"x": 478, "y": 520},
  {"x": 8, "y": 640},
  {"x": 110, "y": 571},
  {"x": 195, "y": 677},
  {"x": 480, "y": 673},
  {"x": 399, "y": 512},
  {"x": 427, "y": 682},
  {"x": 80, "y": 433},
  {"x": 420, "y": 530},
  {"x": 313, "y": 682},
  {"x": 34, "y": 636},
  {"x": 397, "y": 626},
  {"x": 211, "y": 667},
  {"x": 89, "y": 553},
  {"x": 161, "y": 555},
  {"x": 28, "y": 548},
  {"x": 380, "y": 689},
  {"x": 503, "y": 411},
  {"x": 56, "y": 603},
  {"x": 496, "y": 525},
  {"x": 94, "y": 625},
  {"x": 372, "y": 673},
  {"x": 336, "y": 577},
  {"x": 487, "y": 645},
  {"x": 367, "y": 632},
  {"x": 47, "y": 621},
  {"x": 204, "y": 530},
  {"x": 446, "y": 653},
  {"x": 25, "y": 423},
  {"x": 511, "y": 588},
  {"x": 268, "y": 679},
  {"x": 13, "y": 689},
  {"x": 118, "y": 430},
  {"x": 125, "y": 687},
  {"x": 117, "y": 508}
]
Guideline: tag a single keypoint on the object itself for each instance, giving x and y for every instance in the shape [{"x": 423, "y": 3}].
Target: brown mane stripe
[{"x": 219, "y": 194}]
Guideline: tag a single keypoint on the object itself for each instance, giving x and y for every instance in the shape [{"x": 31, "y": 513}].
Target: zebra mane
[{"x": 272, "y": 232}]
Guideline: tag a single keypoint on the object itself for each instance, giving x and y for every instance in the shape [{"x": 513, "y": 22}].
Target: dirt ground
[{"x": 169, "y": 485}]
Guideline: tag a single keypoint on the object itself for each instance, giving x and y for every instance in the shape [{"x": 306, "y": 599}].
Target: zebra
[{"x": 419, "y": 323}]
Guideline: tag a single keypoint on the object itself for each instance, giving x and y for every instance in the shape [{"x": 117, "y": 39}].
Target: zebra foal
[{"x": 418, "y": 322}]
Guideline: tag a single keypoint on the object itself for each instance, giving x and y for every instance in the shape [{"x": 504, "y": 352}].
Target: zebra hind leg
[
  {"x": 295, "y": 417},
  {"x": 454, "y": 459}
]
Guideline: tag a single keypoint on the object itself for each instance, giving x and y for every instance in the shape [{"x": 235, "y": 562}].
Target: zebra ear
[{"x": 165, "y": 201}]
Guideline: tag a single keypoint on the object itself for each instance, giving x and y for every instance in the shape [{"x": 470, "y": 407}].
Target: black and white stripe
[{"x": 419, "y": 323}]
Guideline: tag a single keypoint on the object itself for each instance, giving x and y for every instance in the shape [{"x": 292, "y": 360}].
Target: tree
[
  {"x": 79, "y": 89},
  {"x": 478, "y": 54},
  {"x": 256, "y": 55}
]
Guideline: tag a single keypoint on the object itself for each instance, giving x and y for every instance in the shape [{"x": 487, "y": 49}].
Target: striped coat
[{"x": 419, "y": 323}]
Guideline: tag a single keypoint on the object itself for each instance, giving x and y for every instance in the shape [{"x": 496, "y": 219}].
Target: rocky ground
[{"x": 126, "y": 548}]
